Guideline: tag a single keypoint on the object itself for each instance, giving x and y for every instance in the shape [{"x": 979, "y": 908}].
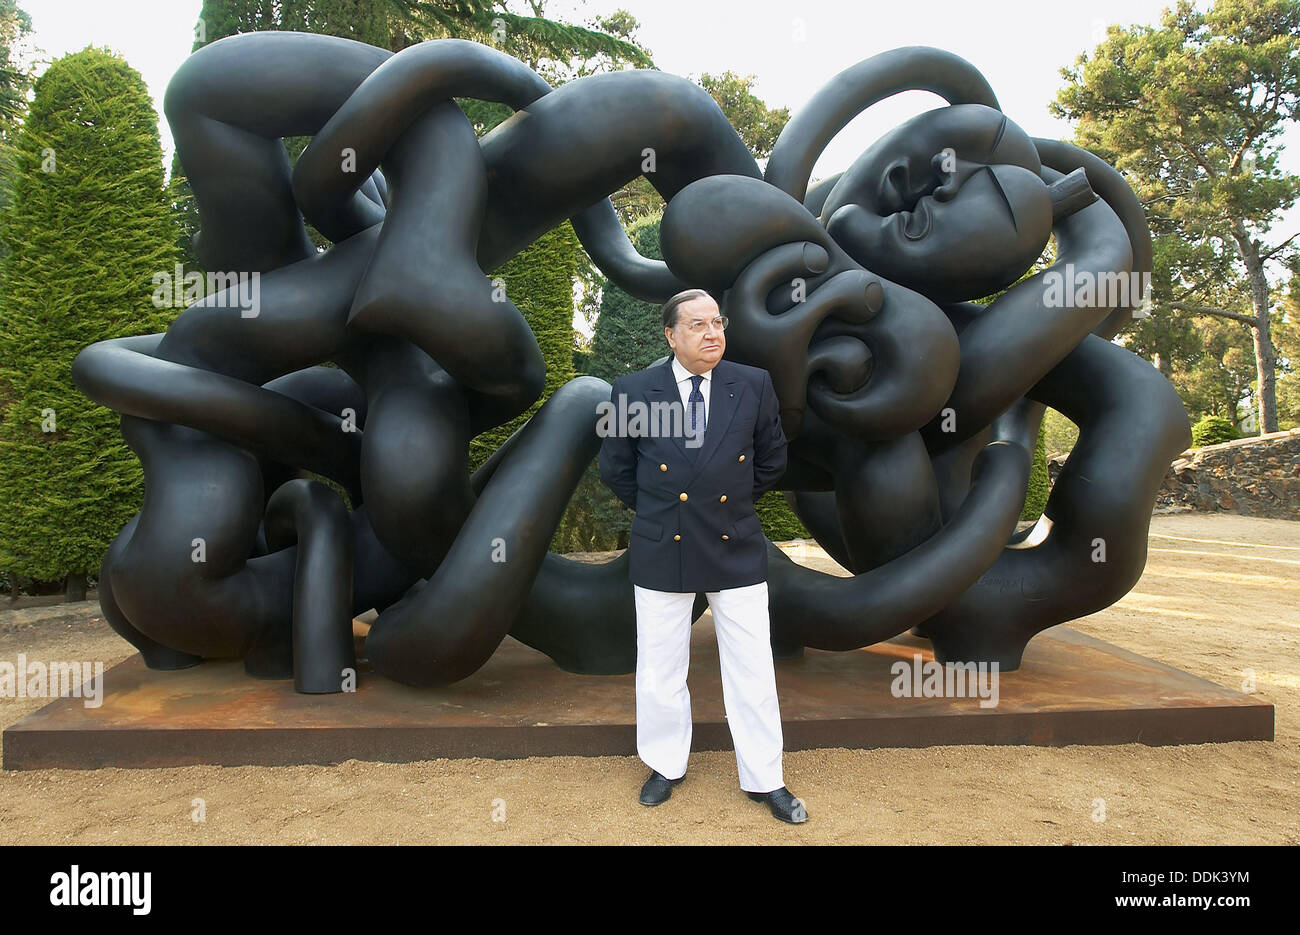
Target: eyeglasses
[{"x": 698, "y": 327}]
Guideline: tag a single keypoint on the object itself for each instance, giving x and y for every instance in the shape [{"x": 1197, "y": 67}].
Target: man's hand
[
  {"x": 617, "y": 459},
  {"x": 769, "y": 441}
]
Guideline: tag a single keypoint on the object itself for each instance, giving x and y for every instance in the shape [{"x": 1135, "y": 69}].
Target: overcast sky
[{"x": 792, "y": 48}]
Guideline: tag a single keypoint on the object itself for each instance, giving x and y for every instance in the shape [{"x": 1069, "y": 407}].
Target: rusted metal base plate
[{"x": 1071, "y": 689}]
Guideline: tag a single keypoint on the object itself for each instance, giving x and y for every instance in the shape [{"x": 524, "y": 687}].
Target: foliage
[
  {"x": 1038, "y": 487},
  {"x": 539, "y": 281},
  {"x": 629, "y": 333},
  {"x": 15, "y": 82},
  {"x": 1059, "y": 434},
  {"x": 1192, "y": 111},
  {"x": 779, "y": 521},
  {"x": 757, "y": 124},
  {"x": 15, "y": 77},
  {"x": 89, "y": 227},
  {"x": 1212, "y": 430}
]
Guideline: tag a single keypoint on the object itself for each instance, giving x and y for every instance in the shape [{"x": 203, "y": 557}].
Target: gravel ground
[{"x": 1220, "y": 597}]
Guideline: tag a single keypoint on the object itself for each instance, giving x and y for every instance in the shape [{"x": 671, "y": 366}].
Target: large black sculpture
[{"x": 911, "y": 409}]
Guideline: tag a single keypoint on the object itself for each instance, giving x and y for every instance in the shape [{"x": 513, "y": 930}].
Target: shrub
[{"x": 1212, "y": 430}]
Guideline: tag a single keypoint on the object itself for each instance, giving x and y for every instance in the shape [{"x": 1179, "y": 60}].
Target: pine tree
[
  {"x": 88, "y": 227},
  {"x": 1192, "y": 112}
]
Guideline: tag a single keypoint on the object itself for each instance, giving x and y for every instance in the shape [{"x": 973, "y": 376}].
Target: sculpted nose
[{"x": 951, "y": 173}]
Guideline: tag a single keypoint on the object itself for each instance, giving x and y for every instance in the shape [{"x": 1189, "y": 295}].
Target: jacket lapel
[
  {"x": 723, "y": 395},
  {"x": 663, "y": 389}
]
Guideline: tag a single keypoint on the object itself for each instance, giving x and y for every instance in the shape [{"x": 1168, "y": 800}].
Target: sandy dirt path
[{"x": 1220, "y": 598}]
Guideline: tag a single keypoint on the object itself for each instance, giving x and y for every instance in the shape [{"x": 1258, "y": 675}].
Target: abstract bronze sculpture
[{"x": 911, "y": 409}]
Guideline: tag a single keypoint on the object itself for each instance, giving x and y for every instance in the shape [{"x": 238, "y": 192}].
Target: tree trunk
[
  {"x": 75, "y": 588},
  {"x": 1261, "y": 331},
  {"x": 1266, "y": 367}
]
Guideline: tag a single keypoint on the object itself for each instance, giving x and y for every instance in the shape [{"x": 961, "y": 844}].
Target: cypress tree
[
  {"x": 88, "y": 227},
  {"x": 539, "y": 281},
  {"x": 629, "y": 333}
]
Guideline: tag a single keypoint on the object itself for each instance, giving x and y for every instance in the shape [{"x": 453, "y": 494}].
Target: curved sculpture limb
[
  {"x": 310, "y": 515},
  {"x": 606, "y": 242},
  {"x": 553, "y": 161},
  {"x": 228, "y": 105},
  {"x": 1131, "y": 424},
  {"x": 915, "y": 68},
  {"x": 446, "y": 629},
  {"x": 1022, "y": 335},
  {"x": 1111, "y": 187},
  {"x": 827, "y": 612},
  {"x": 873, "y": 359},
  {"x": 361, "y": 133},
  {"x": 424, "y": 284}
]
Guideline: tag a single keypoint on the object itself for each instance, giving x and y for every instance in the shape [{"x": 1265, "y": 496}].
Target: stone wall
[{"x": 1250, "y": 476}]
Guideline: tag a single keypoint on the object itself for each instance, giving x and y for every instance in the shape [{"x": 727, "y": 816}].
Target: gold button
[
  {"x": 682, "y": 495},
  {"x": 677, "y": 538},
  {"x": 722, "y": 499},
  {"x": 742, "y": 457},
  {"x": 663, "y": 467},
  {"x": 725, "y": 536}
]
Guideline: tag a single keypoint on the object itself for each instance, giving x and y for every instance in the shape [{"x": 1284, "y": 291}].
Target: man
[{"x": 695, "y": 529}]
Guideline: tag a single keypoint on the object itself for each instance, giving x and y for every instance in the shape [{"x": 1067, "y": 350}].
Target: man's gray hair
[{"x": 670, "y": 307}]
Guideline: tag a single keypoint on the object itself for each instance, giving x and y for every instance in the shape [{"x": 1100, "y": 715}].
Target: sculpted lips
[
  {"x": 916, "y": 223},
  {"x": 908, "y": 209}
]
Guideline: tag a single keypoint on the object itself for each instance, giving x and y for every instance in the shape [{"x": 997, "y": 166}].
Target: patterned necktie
[{"x": 696, "y": 403}]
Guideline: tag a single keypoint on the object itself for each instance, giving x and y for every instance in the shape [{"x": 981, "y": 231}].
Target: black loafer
[
  {"x": 783, "y": 805},
  {"x": 658, "y": 788}
]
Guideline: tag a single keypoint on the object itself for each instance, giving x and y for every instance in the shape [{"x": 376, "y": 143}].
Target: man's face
[{"x": 697, "y": 339}]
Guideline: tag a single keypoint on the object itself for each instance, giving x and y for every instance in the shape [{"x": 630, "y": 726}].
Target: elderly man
[{"x": 695, "y": 530}]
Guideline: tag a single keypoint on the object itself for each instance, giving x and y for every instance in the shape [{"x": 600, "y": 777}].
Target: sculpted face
[
  {"x": 697, "y": 342},
  {"x": 949, "y": 204}
]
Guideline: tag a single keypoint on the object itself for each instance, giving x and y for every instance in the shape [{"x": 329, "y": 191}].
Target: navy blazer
[{"x": 695, "y": 527}]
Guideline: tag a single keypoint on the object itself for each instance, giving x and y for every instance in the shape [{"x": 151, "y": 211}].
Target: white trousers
[{"x": 663, "y": 703}]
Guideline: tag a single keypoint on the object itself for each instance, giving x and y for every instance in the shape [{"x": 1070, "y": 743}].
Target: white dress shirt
[{"x": 684, "y": 388}]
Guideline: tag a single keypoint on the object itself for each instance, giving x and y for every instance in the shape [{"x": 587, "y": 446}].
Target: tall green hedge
[
  {"x": 539, "y": 281},
  {"x": 88, "y": 228},
  {"x": 628, "y": 336},
  {"x": 629, "y": 333},
  {"x": 1039, "y": 481}
]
